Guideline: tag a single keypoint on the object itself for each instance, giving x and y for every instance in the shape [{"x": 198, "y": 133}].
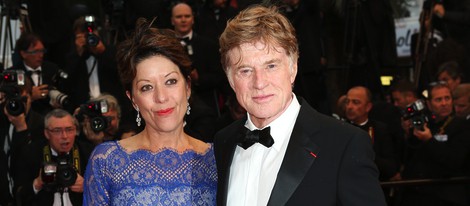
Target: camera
[
  {"x": 416, "y": 113},
  {"x": 90, "y": 26},
  {"x": 60, "y": 174},
  {"x": 14, "y": 102},
  {"x": 94, "y": 110},
  {"x": 57, "y": 97}
]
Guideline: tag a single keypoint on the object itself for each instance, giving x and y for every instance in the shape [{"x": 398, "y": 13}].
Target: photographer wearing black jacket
[
  {"x": 47, "y": 78},
  {"x": 438, "y": 150},
  {"x": 51, "y": 173},
  {"x": 19, "y": 124}
]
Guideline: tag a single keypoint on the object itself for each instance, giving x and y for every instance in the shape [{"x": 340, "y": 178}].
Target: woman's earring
[
  {"x": 188, "y": 110},
  {"x": 138, "y": 119}
]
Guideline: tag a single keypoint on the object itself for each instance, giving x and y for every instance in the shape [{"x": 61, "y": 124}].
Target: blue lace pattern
[{"x": 116, "y": 177}]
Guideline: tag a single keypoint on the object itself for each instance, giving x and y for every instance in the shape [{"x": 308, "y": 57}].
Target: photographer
[
  {"x": 51, "y": 173},
  {"x": 46, "y": 76},
  {"x": 102, "y": 122},
  {"x": 91, "y": 66},
  {"x": 19, "y": 124},
  {"x": 438, "y": 150}
]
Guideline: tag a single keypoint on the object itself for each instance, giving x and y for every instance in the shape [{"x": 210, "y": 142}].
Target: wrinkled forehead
[{"x": 237, "y": 54}]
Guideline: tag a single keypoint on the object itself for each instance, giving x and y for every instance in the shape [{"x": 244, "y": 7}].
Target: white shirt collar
[
  {"x": 28, "y": 68},
  {"x": 282, "y": 126}
]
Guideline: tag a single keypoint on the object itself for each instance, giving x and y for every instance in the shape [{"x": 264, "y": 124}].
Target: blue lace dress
[{"x": 115, "y": 177}]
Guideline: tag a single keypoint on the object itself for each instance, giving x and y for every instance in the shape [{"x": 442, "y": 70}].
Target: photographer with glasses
[
  {"x": 437, "y": 150},
  {"x": 47, "y": 78},
  {"x": 51, "y": 172}
]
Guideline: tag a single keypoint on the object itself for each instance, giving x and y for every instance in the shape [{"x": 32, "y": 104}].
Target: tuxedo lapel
[
  {"x": 300, "y": 155},
  {"x": 225, "y": 149}
]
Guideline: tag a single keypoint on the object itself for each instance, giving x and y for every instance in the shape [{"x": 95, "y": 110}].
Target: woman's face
[{"x": 161, "y": 93}]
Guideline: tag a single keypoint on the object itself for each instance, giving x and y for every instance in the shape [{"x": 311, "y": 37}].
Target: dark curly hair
[{"x": 147, "y": 42}]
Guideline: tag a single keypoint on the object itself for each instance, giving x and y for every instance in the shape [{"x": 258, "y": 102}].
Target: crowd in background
[{"x": 419, "y": 129}]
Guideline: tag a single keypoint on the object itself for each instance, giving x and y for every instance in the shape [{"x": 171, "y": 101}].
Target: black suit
[
  {"x": 342, "y": 171},
  {"x": 438, "y": 159},
  {"x": 386, "y": 155},
  {"x": 109, "y": 82},
  {"x": 20, "y": 140},
  {"x": 50, "y": 76},
  {"x": 212, "y": 80},
  {"x": 33, "y": 158}
]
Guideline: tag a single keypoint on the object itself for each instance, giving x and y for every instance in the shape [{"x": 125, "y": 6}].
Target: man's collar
[{"x": 28, "y": 68}]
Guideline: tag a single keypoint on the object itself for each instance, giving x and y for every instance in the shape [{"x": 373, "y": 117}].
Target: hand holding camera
[
  {"x": 40, "y": 92},
  {"x": 59, "y": 174},
  {"x": 423, "y": 135}
]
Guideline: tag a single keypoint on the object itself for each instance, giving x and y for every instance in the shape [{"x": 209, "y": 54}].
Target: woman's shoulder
[
  {"x": 200, "y": 147},
  {"x": 106, "y": 147}
]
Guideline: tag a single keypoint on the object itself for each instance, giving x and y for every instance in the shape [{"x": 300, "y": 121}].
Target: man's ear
[{"x": 293, "y": 73}]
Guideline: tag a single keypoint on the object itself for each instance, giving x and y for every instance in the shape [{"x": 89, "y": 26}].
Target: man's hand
[
  {"x": 78, "y": 186},
  {"x": 18, "y": 121},
  {"x": 439, "y": 10},
  {"x": 38, "y": 183},
  {"x": 40, "y": 92},
  {"x": 423, "y": 135},
  {"x": 80, "y": 43}
]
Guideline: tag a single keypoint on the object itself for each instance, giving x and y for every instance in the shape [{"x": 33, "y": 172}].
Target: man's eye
[
  {"x": 171, "y": 81},
  {"x": 271, "y": 66},
  {"x": 244, "y": 71}
]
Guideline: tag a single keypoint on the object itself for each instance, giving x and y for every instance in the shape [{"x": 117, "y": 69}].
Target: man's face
[
  {"x": 441, "y": 102},
  {"x": 402, "y": 100},
  {"x": 262, "y": 77},
  {"x": 357, "y": 105},
  {"x": 452, "y": 83},
  {"x": 182, "y": 19},
  {"x": 462, "y": 106},
  {"x": 61, "y": 133},
  {"x": 33, "y": 57},
  {"x": 114, "y": 125}
]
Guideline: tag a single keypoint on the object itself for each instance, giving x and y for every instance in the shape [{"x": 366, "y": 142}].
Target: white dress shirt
[
  {"x": 34, "y": 76},
  {"x": 254, "y": 170},
  {"x": 94, "y": 82}
]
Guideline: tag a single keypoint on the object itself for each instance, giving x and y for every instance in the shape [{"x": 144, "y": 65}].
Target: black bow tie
[
  {"x": 185, "y": 39},
  {"x": 29, "y": 72},
  {"x": 261, "y": 136}
]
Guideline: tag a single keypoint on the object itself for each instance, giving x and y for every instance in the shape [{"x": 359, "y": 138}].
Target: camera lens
[
  {"x": 92, "y": 39},
  {"x": 15, "y": 107},
  {"x": 98, "y": 124}
]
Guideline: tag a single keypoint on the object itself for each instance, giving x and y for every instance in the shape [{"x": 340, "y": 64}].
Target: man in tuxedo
[
  {"x": 284, "y": 152},
  {"x": 358, "y": 106},
  {"x": 207, "y": 77},
  {"x": 42, "y": 178},
  {"x": 45, "y": 76}
]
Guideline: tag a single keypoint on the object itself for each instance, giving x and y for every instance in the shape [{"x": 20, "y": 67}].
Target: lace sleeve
[{"x": 96, "y": 189}]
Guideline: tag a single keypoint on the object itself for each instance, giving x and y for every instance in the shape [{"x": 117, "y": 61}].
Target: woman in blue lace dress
[{"x": 162, "y": 165}]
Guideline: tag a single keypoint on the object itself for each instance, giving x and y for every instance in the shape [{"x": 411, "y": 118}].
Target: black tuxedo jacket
[
  {"x": 327, "y": 162},
  {"x": 78, "y": 82},
  {"x": 49, "y": 71}
]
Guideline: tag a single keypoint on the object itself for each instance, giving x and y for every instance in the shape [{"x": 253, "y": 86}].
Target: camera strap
[
  {"x": 92, "y": 68},
  {"x": 446, "y": 123},
  {"x": 75, "y": 156}
]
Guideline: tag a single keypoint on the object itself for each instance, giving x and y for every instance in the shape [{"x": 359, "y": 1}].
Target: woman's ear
[{"x": 129, "y": 95}]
